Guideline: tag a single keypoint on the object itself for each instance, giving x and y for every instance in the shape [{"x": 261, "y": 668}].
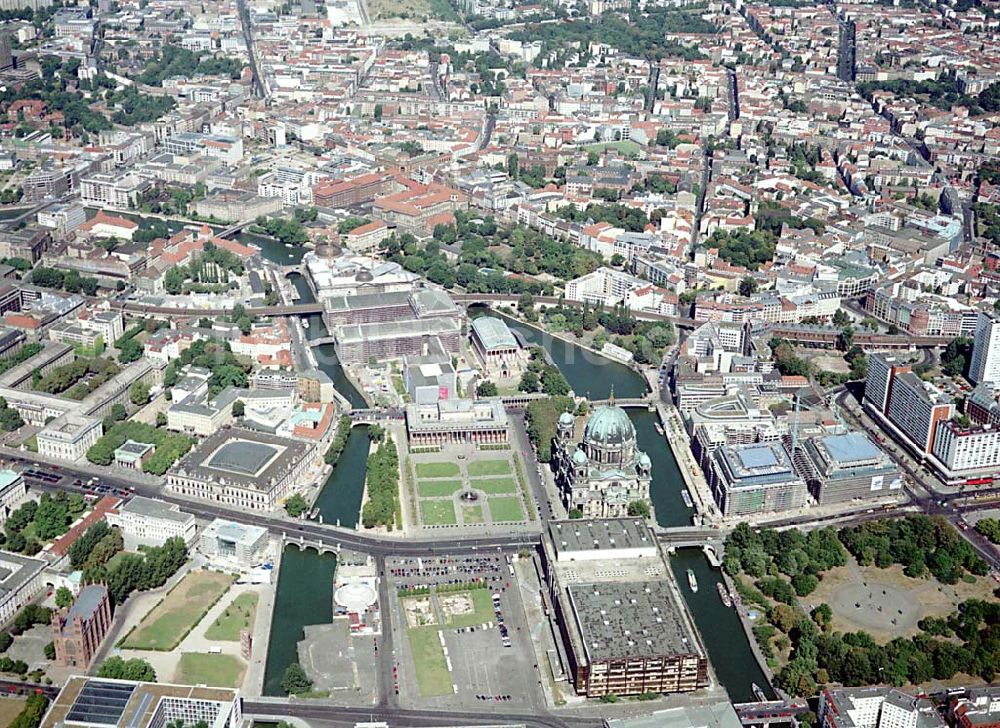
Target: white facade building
[
  {"x": 149, "y": 522},
  {"x": 985, "y": 366},
  {"x": 69, "y": 437}
]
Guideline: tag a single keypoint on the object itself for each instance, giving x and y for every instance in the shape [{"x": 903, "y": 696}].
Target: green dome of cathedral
[{"x": 609, "y": 425}]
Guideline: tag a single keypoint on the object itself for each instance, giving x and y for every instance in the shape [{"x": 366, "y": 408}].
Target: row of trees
[
  {"x": 118, "y": 668},
  {"x": 141, "y": 572},
  {"x": 69, "y": 281},
  {"x": 383, "y": 486},
  {"x": 95, "y": 548},
  {"x": 541, "y": 417}
]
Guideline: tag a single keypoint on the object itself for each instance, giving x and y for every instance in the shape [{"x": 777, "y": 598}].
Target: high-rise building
[
  {"x": 912, "y": 406},
  {"x": 985, "y": 367},
  {"x": 6, "y": 57}
]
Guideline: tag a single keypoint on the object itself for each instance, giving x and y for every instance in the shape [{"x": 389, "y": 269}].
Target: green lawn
[
  {"x": 170, "y": 620},
  {"x": 489, "y": 467},
  {"x": 472, "y": 514},
  {"x": 221, "y": 671},
  {"x": 437, "y": 470},
  {"x": 238, "y": 616},
  {"x": 428, "y": 659},
  {"x": 438, "y": 488},
  {"x": 483, "y": 613},
  {"x": 505, "y": 508},
  {"x": 494, "y": 486},
  {"x": 625, "y": 147},
  {"x": 437, "y": 513}
]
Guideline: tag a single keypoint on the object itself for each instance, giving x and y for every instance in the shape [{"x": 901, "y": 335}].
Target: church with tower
[{"x": 604, "y": 472}]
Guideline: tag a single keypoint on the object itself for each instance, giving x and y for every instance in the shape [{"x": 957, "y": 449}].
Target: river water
[{"x": 305, "y": 583}]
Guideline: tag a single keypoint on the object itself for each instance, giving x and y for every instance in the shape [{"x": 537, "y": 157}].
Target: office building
[
  {"x": 849, "y": 467},
  {"x": 620, "y": 615},
  {"x": 13, "y": 493},
  {"x": 977, "y": 708},
  {"x": 876, "y": 707},
  {"x": 20, "y": 582},
  {"x": 985, "y": 365},
  {"x": 912, "y": 406},
  {"x": 77, "y": 632},
  {"x": 148, "y": 522},
  {"x": 104, "y": 703},
  {"x": 753, "y": 479},
  {"x": 233, "y": 545}
]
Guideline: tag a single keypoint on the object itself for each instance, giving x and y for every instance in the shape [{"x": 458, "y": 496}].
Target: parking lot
[{"x": 474, "y": 605}]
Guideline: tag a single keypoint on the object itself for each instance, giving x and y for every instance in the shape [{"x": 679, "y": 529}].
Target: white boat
[
  {"x": 305, "y": 323},
  {"x": 692, "y": 581},
  {"x": 723, "y": 594},
  {"x": 687, "y": 499},
  {"x": 659, "y": 428}
]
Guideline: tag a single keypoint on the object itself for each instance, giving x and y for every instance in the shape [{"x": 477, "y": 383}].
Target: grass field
[
  {"x": 472, "y": 515},
  {"x": 494, "y": 486},
  {"x": 437, "y": 513},
  {"x": 221, "y": 671},
  {"x": 170, "y": 620},
  {"x": 238, "y": 615},
  {"x": 505, "y": 508},
  {"x": 483, "y": 610},
  {"x": 416, "y": 9},
  {"x": 625, "y": 147},
  {"x": 9, "y": 708},
  {"x": 438, "y": 488},
  {"x": 437, "y": 470},
  {"x": 489, "y": 467},
  {"x": 428, "y": 657}
]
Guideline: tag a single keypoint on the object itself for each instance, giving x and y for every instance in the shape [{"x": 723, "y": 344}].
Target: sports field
[{"x": 183, "y": 607}]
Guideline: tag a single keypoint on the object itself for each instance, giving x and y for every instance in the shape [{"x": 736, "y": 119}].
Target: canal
[
  {"x": 339, "y": 501},
  {"x": 304, "y": 595},
  {"x": 719, "y": 626}
]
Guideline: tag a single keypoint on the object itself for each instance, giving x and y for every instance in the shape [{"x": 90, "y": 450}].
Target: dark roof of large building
[{"x": 87, "y": 601}]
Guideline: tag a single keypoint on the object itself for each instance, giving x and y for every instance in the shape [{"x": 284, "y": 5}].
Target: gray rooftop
[
  {"x": 493, "y": 333},
  {"x": 605, "y": 535},
  {"x": 620, "y": 620},
  {"x": 87, "y": 601},
  {"x": 155, "y": 509}
]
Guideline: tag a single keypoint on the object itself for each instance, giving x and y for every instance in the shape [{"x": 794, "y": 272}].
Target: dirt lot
[{"x": 885, "y": 602}]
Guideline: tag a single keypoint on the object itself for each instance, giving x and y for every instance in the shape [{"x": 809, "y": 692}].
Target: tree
[
  {"x": 64, "y": 597},
  {"x": 487, "y": 389},
  {"x": 956, "y": 356},
  {"x": 139, "y": 394},
  {"x": 296, "y": 505},
  {"x": 120, "y": 669},
  {"x": 840, "y": 318},
  {"x": 295, "y": 681},
  {"x": 638, "y": 509},
  {"x": 748, "y": 286},
  {"x": 118, "y": 412},
  {"x": 239, "y": 409}
]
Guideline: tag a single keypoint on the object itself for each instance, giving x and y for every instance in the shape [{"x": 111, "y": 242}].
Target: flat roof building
[
  {"x": 252, "y": 470},
  {"x": 619, "y": 613},
  {"x": 850, "y": 466},
  {"x": 756, "y": 478},
  {"x": 233, "y": 545},
  {"x": 149, "y": 522}
]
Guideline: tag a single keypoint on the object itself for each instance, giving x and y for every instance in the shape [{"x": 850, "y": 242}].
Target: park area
[
  {"x": 182, "y": 608},
  {"x": 491, "y": 478},
  {"x": 221, "y": 671},
  {"x": 238, "y": 616},
  {"x": 433, "y": 676},
  {"x": 886, "y": 603}
]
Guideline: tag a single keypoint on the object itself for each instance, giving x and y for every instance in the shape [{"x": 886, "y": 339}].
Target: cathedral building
[{"x": 604, "y": 473}]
